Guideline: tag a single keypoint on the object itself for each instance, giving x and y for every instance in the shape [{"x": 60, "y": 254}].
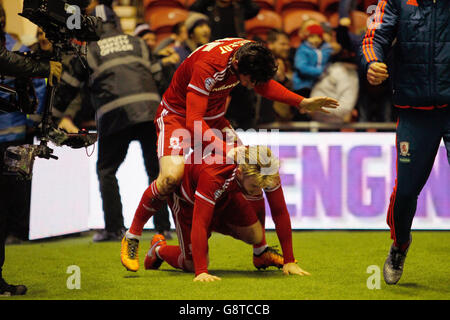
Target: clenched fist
[{"x": 377, "y": 73}]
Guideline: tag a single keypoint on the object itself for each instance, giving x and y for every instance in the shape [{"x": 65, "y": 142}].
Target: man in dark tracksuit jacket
[
  {"x": 421, "y": 94},
  {"x": 125, "y": 98}
]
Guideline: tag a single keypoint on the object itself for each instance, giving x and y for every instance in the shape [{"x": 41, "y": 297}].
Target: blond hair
[{"x": 259, "y": 162}]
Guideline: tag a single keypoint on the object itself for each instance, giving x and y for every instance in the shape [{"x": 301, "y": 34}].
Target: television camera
[{"x": 63, "y": 22}]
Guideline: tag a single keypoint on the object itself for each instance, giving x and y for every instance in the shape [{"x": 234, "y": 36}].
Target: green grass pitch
[{"x": 337, "y": 260}]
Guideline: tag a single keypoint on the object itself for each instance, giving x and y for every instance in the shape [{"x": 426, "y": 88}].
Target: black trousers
[
  {"x": 419, "y": 133},
  {"x": 112, "y": 151},
  {"x": 14, "y": 204}
]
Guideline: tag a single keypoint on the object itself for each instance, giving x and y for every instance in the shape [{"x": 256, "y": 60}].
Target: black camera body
[{"x": 53, "y": 17}]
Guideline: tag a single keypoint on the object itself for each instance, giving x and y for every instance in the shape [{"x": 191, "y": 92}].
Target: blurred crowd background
[{"x": 316, "y": 43}]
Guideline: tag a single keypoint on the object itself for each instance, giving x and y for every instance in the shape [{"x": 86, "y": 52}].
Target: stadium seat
[
  {"x": 162, "y": 19},
  {"x": 188, "y": 3},
  {"x": 260, "y": 25},
  {"x": 164, "y": 3},
  {"x": 267, "y": 4},
  {"x": 284, "y": 6},
  {"x": 293, "y": 20},
  {"x": 359, "y": 20},
  {"x": 328, "y": 7}
]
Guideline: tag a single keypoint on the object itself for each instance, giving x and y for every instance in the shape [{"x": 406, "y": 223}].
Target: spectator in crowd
[
  {"x": 269, "y": 111},
  {"x": 374, "y": 103},
  {"x": 199, "y": 33},
  {"x": 329, "y": 36},
  {"x": 178, "y": 36},
  {"x": 339, "y": 81},
  {"x": 164, "y": 62},
  {"x": 307, "y": 21},
  {"x": 109, "y": 3},
  {"x": 123, "y": 113},
  {"x": 344, "y": 9},
  {"x": 227, "y": 17},
  {"x": 311, "y": 58}
]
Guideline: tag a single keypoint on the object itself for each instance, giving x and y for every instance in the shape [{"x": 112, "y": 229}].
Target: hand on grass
[
  {"x": 206, "y": 277},
  {"x": 293, "y": 268}
]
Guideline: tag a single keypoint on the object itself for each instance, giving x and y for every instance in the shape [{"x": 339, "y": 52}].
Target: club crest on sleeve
[
  {"x": 404, "y": 148},
  {"x": 175, "y": 143},
  {"x": 209, "y": 83},
  {"x": 218, "y": 193}
]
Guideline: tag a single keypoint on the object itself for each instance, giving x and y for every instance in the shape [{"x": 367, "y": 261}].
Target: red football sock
[
  {"x": 150, "y": 204},
  {"x": 259, "y": 207},
  {"x": 172, "y": 255},
  {"x": 281, "y": 218}
]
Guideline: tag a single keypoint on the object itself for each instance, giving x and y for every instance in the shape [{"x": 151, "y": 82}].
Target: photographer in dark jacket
[
  {"x": 15, "y": 65},
  {"x": 125, "y": 98}
]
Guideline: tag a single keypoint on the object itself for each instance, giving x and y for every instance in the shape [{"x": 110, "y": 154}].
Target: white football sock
[
  {"x": 259, "y": 250},
  {"x": 129, "y": 235}
]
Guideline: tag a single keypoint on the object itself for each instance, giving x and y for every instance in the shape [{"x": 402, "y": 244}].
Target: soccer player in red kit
[
  {"x": 225, "y": 198},
  {"x": 196, "y": 101}
]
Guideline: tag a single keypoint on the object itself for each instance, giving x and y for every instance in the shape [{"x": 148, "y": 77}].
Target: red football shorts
[{"x": 173, "y": 137}]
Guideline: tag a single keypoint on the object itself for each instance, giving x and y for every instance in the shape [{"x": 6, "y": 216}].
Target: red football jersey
[
  {"x": 206, "y": 72},
  {"x": 207, "y": 181}
]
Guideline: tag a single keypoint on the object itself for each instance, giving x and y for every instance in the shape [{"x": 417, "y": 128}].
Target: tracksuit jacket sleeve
[{"x": 380, "y": 34}]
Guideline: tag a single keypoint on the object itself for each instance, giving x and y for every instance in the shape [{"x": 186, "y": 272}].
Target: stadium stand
[
  {"x": 165, "y": 3},
  {"x": 267, "y": 4},
  {"x": 188, "y": 3},
  {"x": 162, "y": 19},
  {"x": 359, "y": 20},
  {"x": 260, "y": 25},
  {"x": 284, "y": 6},
  {"x": 328, "y": 7}
]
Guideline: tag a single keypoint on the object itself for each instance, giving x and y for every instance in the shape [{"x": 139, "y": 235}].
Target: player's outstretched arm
[
  {"x": 293, "y": 268},
  {"x": 206, "y": 277},
  {"x": 320, "y": 104},
  {"x": 273, "y": 90}
]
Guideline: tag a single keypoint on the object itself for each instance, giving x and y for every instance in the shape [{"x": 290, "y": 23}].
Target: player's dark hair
[{"x": 255, "y": 60}]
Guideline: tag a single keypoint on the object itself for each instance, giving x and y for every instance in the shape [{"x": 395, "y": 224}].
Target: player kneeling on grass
[{"x": 225, "y": 198}]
